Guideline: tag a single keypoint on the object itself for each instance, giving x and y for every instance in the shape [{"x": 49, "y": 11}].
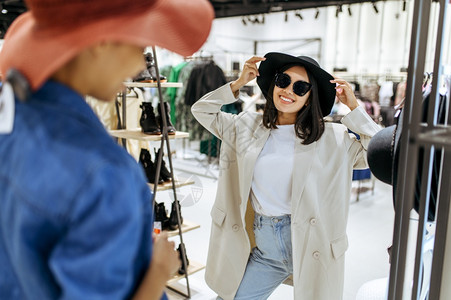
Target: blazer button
[
  {"x": 235, "y": 227},
  {"x": 312, "y": 221},
  {"x": 316, "y": 255}
]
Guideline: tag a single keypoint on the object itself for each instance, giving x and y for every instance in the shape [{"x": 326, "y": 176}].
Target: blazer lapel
[
  {"x": 259, "y": 138},
  {"x": 303, "y": 160}
]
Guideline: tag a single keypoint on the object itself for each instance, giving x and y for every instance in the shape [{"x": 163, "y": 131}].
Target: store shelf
[
  {"x": 179, "y": 182},
  {"x": 137, "y": 134},
  {"x": 193, "y": 267},
  {"x": 186, "y": 226},
  {"x": 154, "y": 84}
]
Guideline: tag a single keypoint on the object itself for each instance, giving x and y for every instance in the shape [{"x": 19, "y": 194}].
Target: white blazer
[{"x": 321, "y": 191}]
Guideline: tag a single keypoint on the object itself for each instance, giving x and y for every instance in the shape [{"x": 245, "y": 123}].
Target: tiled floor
[{"x": 369, "y": 230}]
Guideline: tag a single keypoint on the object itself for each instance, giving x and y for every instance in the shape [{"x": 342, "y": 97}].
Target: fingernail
[{"x": 339, "y": 90}]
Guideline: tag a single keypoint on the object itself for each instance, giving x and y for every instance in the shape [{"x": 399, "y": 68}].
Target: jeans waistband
[{"x": 261, "y": 220}]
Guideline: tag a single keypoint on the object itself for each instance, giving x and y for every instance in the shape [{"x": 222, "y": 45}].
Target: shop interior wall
[{"x": 364, "y": 42}]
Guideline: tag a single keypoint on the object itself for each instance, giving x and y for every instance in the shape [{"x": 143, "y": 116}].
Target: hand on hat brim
[
  {"x": 345, "y": 93},
  {"x": 249, "y": 73}
]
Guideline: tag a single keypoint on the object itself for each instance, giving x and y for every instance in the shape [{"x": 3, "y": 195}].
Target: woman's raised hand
[
  {"x": 345, "y": 93},
  {"x": 250, "y": 72}
]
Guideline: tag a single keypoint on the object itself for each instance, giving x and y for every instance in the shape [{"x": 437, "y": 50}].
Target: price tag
[
  {"x": 6, "y": 109},
  {"x": 157, "y": 227}
]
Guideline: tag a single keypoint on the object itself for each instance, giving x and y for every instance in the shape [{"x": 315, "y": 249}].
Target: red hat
[{"x": 43, "y": 39}]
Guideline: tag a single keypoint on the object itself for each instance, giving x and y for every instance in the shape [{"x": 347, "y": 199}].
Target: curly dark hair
[{"x": 309, "y": 125}]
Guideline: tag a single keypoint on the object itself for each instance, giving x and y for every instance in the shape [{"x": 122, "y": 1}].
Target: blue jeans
[{"x": 271, "y": 262}]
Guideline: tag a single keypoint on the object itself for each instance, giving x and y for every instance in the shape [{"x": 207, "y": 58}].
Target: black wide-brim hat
[
  {"x": 383, "y": 156},
  {"x": 275, "y": 62}
]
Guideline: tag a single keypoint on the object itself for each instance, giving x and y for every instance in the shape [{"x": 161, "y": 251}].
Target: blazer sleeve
[
  {"x": 207, "y": 111},
  {"x": 361, "y": 123}
]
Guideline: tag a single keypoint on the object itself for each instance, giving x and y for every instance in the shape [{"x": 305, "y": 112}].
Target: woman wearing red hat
[
  {"x": 75, "y": 212},
  {"x": 283, "y": 194}
]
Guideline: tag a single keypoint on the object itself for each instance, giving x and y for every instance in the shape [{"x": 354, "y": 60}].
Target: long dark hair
[{"x": 309, "y": 125}]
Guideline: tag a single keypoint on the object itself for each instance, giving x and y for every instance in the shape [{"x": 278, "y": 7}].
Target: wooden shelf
[
  {"x": 193, "y": 267},
  {"x": 154, "y": 84},
  {"x": 186, "y": 226},
  {"x": 137, "y": 134},
  {"x": 168, "y": 185}
]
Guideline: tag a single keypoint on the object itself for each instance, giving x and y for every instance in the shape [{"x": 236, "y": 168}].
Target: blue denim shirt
[{"x": 75, "y": 213}]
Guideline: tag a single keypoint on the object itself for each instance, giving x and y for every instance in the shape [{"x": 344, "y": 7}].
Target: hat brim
[
  {"x": 179, "y": 26},
  {"x": 380, "y": 154},
  {"x": 276, "y": 61}
]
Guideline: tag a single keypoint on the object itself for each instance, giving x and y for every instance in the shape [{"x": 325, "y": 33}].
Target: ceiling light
[
  {"x": 317, "y": 13},
  {"x": 298, "y": 14},
  {"x": 276, "y": 8},
  {"x": 4, "y": 11},
  {"x": 375, "y": 8}
]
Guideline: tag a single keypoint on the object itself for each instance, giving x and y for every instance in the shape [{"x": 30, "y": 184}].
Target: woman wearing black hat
[{"x": 283, "y": 195}]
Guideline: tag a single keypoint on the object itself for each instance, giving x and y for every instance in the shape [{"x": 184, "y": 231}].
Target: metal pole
[
  {"x": 165, "y": 137},
  {"x": 423, "y": 217},
  {"x": 441, "y": 230},
  {"x": 407, "y": 165}
]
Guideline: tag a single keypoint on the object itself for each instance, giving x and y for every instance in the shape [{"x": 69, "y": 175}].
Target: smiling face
[{"x": 286, "y": 101}]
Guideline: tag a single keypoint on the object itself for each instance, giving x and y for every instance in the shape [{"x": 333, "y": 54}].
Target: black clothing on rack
[
  {"x": 204, "y": 78},
  {"x": 436, "y": 161}
]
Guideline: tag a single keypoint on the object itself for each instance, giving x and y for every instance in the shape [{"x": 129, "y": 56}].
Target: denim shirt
[{"x": 75, "y": 213}]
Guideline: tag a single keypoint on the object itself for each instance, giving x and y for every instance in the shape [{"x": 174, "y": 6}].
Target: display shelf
[
  {"x": 186, "y": 226},
  {"x": 193, "y": 267},
  {"x": 154, "y": 84},
  {"x": 137, "y": 134},
  {"x": 179, "y": 182}
]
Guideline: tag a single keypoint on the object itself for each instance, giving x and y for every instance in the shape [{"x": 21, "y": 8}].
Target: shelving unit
[
  {"x": 179, "y": 182},
  {"x": 154, "y": 84},
  {"x": 186, "y": 227},
  {"x": 136, "y": 134},
  {"x": 192, "y": 268}
]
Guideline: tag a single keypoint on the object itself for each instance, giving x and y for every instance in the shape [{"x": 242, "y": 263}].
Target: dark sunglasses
[{"x": 300, "y": 88}]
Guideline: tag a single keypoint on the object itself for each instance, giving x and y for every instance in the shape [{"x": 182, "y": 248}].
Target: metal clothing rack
[{"x": 427, "y": 136}]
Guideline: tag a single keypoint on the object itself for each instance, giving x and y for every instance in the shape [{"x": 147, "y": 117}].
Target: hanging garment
[
  {"x": 171, "y": 93},
  {"x": 204, "y": 78}
]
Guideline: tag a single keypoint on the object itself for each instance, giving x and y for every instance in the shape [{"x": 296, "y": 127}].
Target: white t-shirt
[{"x": 273, "y": 172}]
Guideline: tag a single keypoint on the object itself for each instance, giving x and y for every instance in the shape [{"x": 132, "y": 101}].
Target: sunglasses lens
[
  {"x": 301, "y": 88},
  {"x": 282, "y": 80}
]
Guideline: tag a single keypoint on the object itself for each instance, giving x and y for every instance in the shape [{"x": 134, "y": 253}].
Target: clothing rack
[
  {"x": 363, "y": 77},
  {"x": 405, "y": 284},
  {"x": 199, "y": 57}
]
